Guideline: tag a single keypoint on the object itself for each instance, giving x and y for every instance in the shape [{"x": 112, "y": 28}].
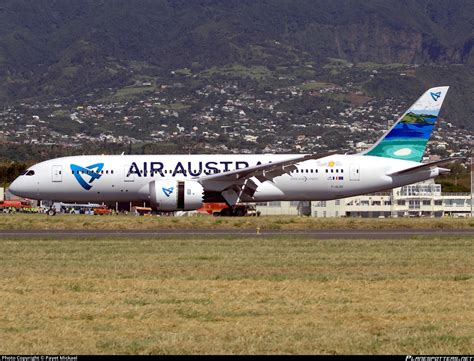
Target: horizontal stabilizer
[{"x": 427, "y": 166}]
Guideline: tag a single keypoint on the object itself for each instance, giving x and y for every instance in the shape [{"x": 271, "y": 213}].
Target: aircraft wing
[
  {"x": 237, "y": 184},
  {"x": 262, "y": 172},
  {"x": 426, "y": 166}
]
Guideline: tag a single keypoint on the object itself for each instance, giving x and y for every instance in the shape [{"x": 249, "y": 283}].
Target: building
[{"x": 415, "y": 200}]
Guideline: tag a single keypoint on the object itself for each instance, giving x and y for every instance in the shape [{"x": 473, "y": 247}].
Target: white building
[{"x": 416, "y": 200}]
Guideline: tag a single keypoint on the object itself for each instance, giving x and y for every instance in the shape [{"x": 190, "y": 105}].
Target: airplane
[{"x": 185, "y": 182}]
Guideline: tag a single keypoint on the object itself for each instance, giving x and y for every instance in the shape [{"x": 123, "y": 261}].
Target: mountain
[{"x": 60, "y": 48}]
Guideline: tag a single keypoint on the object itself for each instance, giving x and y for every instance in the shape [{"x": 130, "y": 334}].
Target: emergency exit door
[
  {"x": 354, "y": 172},
  {"x": 57, "y": 173}
]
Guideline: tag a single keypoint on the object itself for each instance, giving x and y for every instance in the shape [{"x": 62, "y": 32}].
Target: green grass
[
  {"x": 184, "y": 71},
  {"x": 314, "y": 85},
  {"x": 338, "y": 61},
  {"x": 131, "y": 92},
  {"x": 236, "y": 295},
  {"x": 371, "y": 66},
  {"x": 173, "y": 106},
  {"x": 121, "y": 222},
  {"x": 256, "y": 72}
]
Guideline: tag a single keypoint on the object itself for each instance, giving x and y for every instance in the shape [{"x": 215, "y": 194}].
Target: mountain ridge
[{"x": 59, "y": 48}]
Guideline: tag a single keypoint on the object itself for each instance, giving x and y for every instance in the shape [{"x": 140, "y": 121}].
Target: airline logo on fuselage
[
  {"x": 168, "y": 191},
  {"x": 92, "y": 171}
]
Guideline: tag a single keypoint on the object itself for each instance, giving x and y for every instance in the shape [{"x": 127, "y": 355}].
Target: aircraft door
[
  {"x": 57, "y": 175},
  {"x": 127, "y": 175},
  {"x": 354, "y": 172}
]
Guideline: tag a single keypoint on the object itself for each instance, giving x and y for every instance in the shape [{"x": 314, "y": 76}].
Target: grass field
[
  {"x": 314, "y": 85},
  {"x": 256, "y": 72},
  {"x": 235, "y": 295},
  {"x": 131, "y": 92},
  {"x": 121, "y": 222}
]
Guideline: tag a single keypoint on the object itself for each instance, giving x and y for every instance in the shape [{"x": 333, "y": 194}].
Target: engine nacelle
[{"x": 176, "y": 195}]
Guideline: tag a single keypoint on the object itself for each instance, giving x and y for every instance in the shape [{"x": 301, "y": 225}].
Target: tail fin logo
[
  {"x": 167, "y": 191},
  {"x": 408, "y": 137},
  {"x": 92, "y": 171},
  {"x": 435, "y": 96}
]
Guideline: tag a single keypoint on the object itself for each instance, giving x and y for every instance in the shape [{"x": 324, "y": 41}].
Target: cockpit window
[{"x": 30, "y": 172}]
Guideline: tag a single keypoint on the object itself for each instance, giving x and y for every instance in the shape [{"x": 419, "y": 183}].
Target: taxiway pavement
[{"x": 192, "y": 233}]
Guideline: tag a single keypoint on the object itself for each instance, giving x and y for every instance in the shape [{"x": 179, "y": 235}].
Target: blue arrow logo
[
  {"x": 168, "y": 191},
  {"x": 92, "y": 171},
  {"x": 435, "y": 96}
]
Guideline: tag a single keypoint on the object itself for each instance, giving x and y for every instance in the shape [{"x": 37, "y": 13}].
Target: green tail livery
[{"x": 407, "y": 139}]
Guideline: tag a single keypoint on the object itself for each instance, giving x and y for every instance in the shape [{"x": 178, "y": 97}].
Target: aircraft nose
[{"x": 16, "y": 187}]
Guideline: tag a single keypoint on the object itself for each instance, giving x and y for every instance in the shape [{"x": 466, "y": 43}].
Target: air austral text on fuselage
[
  {"x": 189, "y": 168},
  {"x": 184, "y": 182}
]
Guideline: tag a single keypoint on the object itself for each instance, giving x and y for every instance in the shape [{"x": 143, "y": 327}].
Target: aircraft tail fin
[{"x": 408, "y": 137}]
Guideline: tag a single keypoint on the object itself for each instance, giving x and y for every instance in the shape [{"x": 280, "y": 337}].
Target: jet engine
[{"x": 172, "y": 195}]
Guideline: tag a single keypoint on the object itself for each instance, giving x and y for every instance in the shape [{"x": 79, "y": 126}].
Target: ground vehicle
[
  {"x": 71, "y": 208},
  {"x": 103, "y": 210},
  {"x": 222, "y": 209},
  {"x": 17, "y": 206},
  {"x": 143, "y": 211}
]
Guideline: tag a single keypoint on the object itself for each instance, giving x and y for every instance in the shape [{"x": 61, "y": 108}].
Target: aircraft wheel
[
  {"x": 226, "y": 212},
  {"x": 51, "y": 212},
  {"x": 239, "y": 212}
]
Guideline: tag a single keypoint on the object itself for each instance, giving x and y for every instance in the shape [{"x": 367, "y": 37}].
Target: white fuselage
[{"x": 126, "y": 177}]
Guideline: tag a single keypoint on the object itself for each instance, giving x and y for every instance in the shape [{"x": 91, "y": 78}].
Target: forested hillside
[{"x": 50, "y": 47}]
